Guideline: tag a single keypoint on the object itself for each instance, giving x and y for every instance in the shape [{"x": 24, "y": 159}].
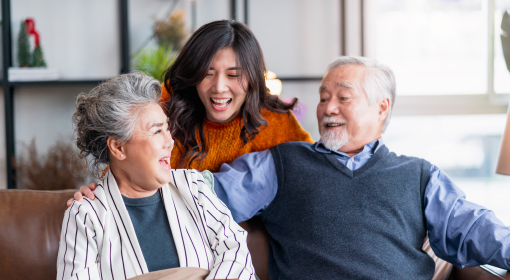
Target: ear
[
  {"x": 384, "y": 107},
  {"x": 116, "y": 148}
]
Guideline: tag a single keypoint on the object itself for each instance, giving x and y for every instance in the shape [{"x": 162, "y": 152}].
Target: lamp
[
  {"x": 273, "y": 84},
  {"x": 504, "y": 153}
]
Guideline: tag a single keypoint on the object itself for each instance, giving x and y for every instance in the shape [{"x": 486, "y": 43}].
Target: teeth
[
  {"x": 221, "y": 101},
  {"x": 334, "y": 124},
  {"x": 167, "y": 161}
]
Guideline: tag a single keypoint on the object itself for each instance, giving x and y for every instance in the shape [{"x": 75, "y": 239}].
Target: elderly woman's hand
[{"x": 84, "y": 191}]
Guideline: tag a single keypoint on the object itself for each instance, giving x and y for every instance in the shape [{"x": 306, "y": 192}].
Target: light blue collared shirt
[{"x": 460, "y": 232}]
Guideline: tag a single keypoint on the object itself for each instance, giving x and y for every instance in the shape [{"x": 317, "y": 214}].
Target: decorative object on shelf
[
  {"x": 59, "y": 169},
  {"x": 171, "y": 31},
  {"x": 38, "y": 58},
  {"x": 37, "y": 55},
  {"x": 23, "y": 46},
  {"x": 273, "y": 84},
  {"x": 170, "y": 34},
  {"x": 32, "y": 64},
  {"x": 154, "y": 61}
]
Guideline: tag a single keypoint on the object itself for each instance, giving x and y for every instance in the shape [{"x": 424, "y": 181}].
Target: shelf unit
[{"x": 10, "y": 87}]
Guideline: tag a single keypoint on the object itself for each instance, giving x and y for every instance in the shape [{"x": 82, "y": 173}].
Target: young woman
[{"x": 217, "y": 100}]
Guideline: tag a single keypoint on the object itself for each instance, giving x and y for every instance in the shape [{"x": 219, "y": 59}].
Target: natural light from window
[{"x": 433, "y": 46}]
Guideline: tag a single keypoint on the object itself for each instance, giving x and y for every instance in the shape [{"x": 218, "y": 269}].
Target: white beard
[{"x": 333, "y": 139}]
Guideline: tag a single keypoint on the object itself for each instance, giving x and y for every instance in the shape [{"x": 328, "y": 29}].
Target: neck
[
  {"x": 355, "y": 149},
  {"x": 127, "y": 185},
  {"x": 352, "y": 153}
]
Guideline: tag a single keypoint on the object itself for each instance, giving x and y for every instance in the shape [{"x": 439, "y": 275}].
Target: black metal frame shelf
[{"x": 10, "y": 86}]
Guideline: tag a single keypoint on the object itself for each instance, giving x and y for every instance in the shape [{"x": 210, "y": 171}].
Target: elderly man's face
[{"x": 346, "y": 120}]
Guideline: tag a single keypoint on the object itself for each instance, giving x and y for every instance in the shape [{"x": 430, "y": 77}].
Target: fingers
[
  {"x": 84, "y": 191},
  {"x": 88, "y": 190},
  {"x": 78, "y": 196}
]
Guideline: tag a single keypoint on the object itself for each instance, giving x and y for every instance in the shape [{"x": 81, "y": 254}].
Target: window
[
  {"x": 453, "y": 87},
  {"x": 434, "y": 47}
]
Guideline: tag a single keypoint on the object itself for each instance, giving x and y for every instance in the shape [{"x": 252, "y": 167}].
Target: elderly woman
[{"x": 146, "y": 217}]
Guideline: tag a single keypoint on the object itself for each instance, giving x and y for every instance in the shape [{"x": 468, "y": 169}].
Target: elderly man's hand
[{"x": 84, "y": 191}]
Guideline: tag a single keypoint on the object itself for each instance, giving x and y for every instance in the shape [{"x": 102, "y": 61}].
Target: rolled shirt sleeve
[
  {"x": 462, "y": 232},
  {"x": 247, "y": 185}
]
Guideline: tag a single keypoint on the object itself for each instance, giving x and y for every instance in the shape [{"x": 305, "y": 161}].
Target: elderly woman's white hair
[
  {"x": 111, "y": 110},
  {"x": 378, "y": 82}
]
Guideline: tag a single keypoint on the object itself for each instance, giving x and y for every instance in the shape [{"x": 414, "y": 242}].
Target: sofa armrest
[{"x": 30, "y": 223}]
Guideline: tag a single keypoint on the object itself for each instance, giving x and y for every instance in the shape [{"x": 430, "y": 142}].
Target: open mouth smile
[
  {"x": 221, "y": 104},
  {"x": 335, "y": 124},
  {"x": 165, "y": 162}
]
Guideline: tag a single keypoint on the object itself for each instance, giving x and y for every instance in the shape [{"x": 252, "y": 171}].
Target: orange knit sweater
[{"x": 225, "y": 143}]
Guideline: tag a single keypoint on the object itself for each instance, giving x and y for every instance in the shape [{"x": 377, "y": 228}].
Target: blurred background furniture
[{"x": 30, "y": 224}]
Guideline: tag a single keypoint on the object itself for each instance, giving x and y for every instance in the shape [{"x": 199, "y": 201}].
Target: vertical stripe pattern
[{"x": 98, "y": 240}]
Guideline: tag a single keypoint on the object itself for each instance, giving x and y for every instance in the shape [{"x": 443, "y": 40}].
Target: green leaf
[{"x": 154, "y": 60}]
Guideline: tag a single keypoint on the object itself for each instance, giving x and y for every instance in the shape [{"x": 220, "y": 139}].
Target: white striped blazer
[{"x": 98, "y": 240}]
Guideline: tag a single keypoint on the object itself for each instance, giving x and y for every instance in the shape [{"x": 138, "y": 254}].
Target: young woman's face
[{"x": 220, "y": 90}]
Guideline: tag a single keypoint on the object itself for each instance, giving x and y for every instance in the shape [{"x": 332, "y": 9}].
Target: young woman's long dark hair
[{"x": 185, "y": 109}]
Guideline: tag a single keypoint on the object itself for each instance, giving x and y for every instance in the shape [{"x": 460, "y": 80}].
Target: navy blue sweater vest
[{"x": 328, "y": 222}]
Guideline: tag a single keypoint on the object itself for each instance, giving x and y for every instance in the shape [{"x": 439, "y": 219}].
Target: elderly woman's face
[{"x": 147, "y": 154}]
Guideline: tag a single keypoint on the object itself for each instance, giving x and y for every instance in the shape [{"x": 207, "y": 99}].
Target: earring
[{"x": 121, "y": 155}]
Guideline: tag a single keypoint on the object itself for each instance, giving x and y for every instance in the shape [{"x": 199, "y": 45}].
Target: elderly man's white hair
[{"x": 378, "y": 82}]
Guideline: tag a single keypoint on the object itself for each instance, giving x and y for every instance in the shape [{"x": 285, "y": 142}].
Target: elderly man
[{"x": 346, "y": 207}]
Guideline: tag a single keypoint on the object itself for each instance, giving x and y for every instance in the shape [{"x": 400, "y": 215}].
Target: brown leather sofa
[{"x": 30, "y": 223}]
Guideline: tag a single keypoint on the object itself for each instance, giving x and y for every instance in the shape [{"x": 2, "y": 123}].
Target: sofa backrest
[
  {"x": 31, "y": 221},
  {"x": 30, "y": 224}
]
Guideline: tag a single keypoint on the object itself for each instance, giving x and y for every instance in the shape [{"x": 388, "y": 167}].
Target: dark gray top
[{"x": 150, "y": 221}]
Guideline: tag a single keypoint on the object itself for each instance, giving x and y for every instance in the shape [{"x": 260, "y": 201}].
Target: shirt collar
[{"x": 371, "y": 148}]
